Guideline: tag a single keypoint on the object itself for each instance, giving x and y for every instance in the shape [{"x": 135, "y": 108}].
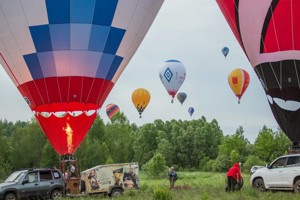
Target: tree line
[{"x": 186, "y": 145}]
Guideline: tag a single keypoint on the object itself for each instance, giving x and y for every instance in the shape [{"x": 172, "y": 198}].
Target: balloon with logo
[
  {"x": 112, "y": 110},
  {"x": 66, "y": 56},
  {"x": 238, "y": 81},
  {"x": 225, "y": 51},
  {"x": 172, "y": 75},
  {"x": 191, "y": 111},
  {"x": 181, "y": 96},
  {"x": 140, "y": 98},
  {"x": 268, "y": 32}
]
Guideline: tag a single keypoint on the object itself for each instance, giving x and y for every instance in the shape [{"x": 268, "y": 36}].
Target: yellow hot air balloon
[
  {"x": 238, "y": 80},
  {"x": 140, "y": 98}
]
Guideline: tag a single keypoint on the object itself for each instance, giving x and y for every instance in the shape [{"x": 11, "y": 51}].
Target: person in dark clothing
[
  {"x": 234, "y": 178},
  {"x": 172, "y": 176}
]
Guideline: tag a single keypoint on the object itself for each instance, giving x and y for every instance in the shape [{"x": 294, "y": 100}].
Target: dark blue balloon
[
  {"x": 191, "y": 111},
  {"x": 225, "y": 51}
]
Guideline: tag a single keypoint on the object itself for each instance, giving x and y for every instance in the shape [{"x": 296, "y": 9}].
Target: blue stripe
[
  {"x": 104, "y": 65},
  {"x": 80, "y": 36},
  {"x": 173, "y": 61},
  {"x": 104, "y": 12},
  {"x": 41, "y": 37},
  {"x": 58, "y": 11},
  {"x": 82, "y": 11},
  {"x": 47, "y": 64},
  {"x": 60, "y": 36},
  {"x": 34, "y": 66},
  {"x": 99, "y": 35},
  {"x": 114, "y": 39},
  {"x": 114, "y": 67}
]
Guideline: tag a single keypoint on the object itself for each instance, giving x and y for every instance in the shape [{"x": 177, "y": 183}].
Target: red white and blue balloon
[{"x": 65, "y": 56}]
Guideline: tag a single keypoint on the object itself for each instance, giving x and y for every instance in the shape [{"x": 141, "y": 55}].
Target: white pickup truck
[{"x": 282, "y": 174}]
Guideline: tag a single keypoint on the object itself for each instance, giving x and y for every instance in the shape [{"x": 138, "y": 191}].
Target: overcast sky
[{"x": 193, "y": 32}]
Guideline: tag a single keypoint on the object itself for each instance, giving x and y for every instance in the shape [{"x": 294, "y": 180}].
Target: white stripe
[
  {"x": 36, "y": 12},
  {"x": 121, "y": 18}
]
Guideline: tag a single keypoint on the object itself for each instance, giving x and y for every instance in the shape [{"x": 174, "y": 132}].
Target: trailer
[{"x": 111, "y": 179}]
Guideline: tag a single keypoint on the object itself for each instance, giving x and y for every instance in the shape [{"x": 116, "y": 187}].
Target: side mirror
[
  {"x": 24, "y": 182},
  {"x": 268, "y": 166}
]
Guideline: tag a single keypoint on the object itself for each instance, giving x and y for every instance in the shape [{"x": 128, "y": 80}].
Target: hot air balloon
[
  {"x": 225, "y": 51},
  {"x": 112, "y": 110},
  {"x": 172, "y": 75},
  {"x": 65, "y": 57},
  {"x": 181, "y": 96},
  {"x": 140, "y": 98},
  {"x": 269, "y": 35},
  {"x": 238, "y": 81},
  {"x": 191, "y": 111}
]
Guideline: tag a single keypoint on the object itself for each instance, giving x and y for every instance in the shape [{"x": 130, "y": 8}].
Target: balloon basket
[{"x": 295, "y": 149}]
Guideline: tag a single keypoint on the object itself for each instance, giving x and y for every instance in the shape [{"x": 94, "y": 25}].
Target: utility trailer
[{"x": 112, "y": 179}]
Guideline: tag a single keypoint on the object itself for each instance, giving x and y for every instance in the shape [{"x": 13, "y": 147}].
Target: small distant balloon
[
  {"x": 238, "y": 81},
  {"x": 140, "y": 98},
  {"x": 191, "y": 110},
  {"x": 172, "y": 75},
  {"x": 225, "y": 51},
  {"x": 112, "y": 110},
  {"x": 181, "y": 96}
]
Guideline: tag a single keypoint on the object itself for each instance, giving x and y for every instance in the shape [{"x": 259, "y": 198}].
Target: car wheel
[
  {"x": 297, "y": 186},
  {"x": 259, "y": 184},
  {"x": 10, "y": 196},
  {"x": 56, "y": 194},
  {"x": 116, "y": 193}
]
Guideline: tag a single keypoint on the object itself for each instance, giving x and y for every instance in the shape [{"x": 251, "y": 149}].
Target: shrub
[{"x": 162, "y": 194}]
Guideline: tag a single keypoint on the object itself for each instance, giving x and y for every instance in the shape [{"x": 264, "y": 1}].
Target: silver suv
[
  {"x": 33, "y": 184},
  {"x": 282, "y": 174}
]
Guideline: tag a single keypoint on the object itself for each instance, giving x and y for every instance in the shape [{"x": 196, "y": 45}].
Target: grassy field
[{"x": 197, "y": 186}]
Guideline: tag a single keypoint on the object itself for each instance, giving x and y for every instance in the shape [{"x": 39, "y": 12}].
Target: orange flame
[{"x": 69, "y": 132}]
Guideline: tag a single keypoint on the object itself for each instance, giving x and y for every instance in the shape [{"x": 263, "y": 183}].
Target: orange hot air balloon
[
  {"x": 140, "y": 98},
  {"x": 238, "y": 81}
]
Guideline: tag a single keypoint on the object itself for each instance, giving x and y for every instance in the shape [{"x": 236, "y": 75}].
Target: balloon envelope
[
  {"x": 140, "y": 98},
  {"x": 112, "y": 110},
  {"x": 181, "y": 96},
  {"x": 172, "y": 75},
  {"x": 65, "y": 57},
  {"x": 238, "y": 81},
  {"x": 269, "y": 35},
  {"x": 225, "y": 51},
  {"x": 191, "y": 111}
]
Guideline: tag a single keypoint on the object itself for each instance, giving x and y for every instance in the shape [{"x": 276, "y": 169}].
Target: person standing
[{"x": 172, "y": 176}]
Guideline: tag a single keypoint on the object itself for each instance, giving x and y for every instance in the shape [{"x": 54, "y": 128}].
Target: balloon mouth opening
[
  {"x": 287, "y": 105},
  {"x": 61, "y": 110}
]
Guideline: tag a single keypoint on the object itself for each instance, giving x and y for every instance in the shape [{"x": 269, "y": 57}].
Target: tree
[
  {"x": 269, "y": 145},
  {"x": 156, "y": 166}
]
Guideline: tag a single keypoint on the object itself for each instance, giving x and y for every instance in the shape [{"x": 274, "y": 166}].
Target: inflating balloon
[
  {"x": 65, "y": 57},
  {"x": 112, "y": 110},
  {"x": 181, "y": 96},
  {"x": 268, "y": 32},
  {"x": 238, "y": 81},
  {"x": 140, "y": 99},
  {"x": 172, "y": 75},
  {"x": 191, "y": 111},
  {"x": 225, "y": 51}
]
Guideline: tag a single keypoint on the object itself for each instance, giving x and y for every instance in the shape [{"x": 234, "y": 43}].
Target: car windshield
[{"x": 15, "y": 177}]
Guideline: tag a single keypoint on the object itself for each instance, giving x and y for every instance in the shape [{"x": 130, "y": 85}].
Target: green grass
[{"x": 202, "y": 186}]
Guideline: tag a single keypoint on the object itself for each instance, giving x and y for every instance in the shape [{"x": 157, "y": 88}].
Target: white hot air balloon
[{"x": 172, "y": 75}]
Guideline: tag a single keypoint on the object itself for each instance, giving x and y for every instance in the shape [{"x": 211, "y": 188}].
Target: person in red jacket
[{"x": 234, "y": 178}]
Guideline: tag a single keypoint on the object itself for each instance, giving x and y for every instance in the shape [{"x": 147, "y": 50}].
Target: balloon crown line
[{"x": 61, "y": 114}]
